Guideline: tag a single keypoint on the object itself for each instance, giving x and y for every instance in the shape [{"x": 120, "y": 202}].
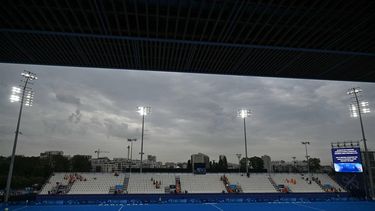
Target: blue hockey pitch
[{"x": 280, "y": 206}]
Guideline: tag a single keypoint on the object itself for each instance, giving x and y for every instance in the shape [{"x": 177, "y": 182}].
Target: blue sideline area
[
  {"x": 264, "y": 206},
  {"x": 190, "y": 198}
]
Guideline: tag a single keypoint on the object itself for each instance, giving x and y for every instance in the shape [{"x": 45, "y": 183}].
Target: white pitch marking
[
  {"x": 20, "y": 208},
  {"x": 302, "y": 205},
  {"x": 214, "y": 205}
]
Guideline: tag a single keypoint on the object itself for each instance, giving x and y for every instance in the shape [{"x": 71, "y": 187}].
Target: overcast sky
[{"x": 78, "y": 110}]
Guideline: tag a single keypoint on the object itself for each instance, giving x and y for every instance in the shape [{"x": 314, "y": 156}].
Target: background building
[
  {"x": 199, "y": 160},
  {"x": 283, "y": 166},
  {"x": 151, "y": 158},
  {"x": 267, "y": 163},
  {"x": 47, "y": 154}
]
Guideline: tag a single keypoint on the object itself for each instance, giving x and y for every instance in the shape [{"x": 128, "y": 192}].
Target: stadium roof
[{"x": 320, "y": 39}]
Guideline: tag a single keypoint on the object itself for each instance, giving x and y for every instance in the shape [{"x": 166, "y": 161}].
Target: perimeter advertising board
[{"x": 347, "y": 160}]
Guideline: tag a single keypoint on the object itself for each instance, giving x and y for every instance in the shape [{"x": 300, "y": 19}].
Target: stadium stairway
[
  {"x": 296, "y": 183},
  {"x": 178, "y": 184},
  {"x": 208, "y": 183},
  {"x": 326, "y": 183},
  {"x": 54, "y": 180},
  {"x": 126, "y": 183},
  {"x": 274, "y": 184},
  {"x": 256, "y": 183},
  {"x": 149, "y": 182},
  {"x": 97, "y": 183},
  {"x": 43, "y": 188}
]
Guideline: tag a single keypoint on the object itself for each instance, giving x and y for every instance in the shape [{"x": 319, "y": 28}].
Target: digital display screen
[
  {"x": 199, "y": 168},
  {"x": 347, "y": 160}
]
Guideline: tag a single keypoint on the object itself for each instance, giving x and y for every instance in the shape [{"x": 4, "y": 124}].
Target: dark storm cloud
[
  {"x": 68, "y": 99},
  {"x": 79, "y": 110},
  {"x": 114, "y": 129},
  {"x": 75, "y": 117}
]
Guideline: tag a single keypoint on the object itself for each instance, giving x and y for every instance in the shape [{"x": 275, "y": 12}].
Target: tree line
[{"x": 34, "y": 171}]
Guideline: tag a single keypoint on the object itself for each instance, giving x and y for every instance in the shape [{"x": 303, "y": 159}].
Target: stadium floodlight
[
  {"x": 244, "y": 113},
  {"x": 307, "y": 157},
  {"x": 143, "y": 111},
  {"x": 362, "y": 107},
  {"x": 17, "y": 94},
  {"x": 357, "y": 108},
  {"x": 131, "y": 140},
  {"x": 24, "y": 95},
  {"x": 239, "y": 162},
  {"x": 31, "y": 76}
]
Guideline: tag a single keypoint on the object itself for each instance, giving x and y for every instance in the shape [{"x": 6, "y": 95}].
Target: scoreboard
[{"x": 347, "y": 160}]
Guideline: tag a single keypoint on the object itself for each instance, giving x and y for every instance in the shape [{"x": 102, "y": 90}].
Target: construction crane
[{"x": 100, "y": 151}]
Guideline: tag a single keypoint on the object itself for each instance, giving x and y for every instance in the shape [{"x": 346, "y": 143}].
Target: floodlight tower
[
  {"x": 243, "y": 113},
  {"x": 26, "y": 99},
  {"x": 356, "y": 110},
  {"x": 239, "y": 162},
  {"x": 128, "y": 147},
  {"x": 131, "y": 140},
  {"x": 307, "y": 157},
  {"x": 143, "y": 111}
]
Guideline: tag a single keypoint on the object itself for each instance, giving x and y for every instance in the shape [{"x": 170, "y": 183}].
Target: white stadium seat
[{"x": 103, "y": 183}]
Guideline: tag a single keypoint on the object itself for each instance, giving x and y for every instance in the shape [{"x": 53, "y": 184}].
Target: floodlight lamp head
[
  {"x": 366, "y": 110},
  {"x": 353, "y": 110},
  {"x": 25, "y": 74},
  {"x": 243, "y": 113},
  {"x": 354, "y": 90},
  {"x": 144, "y": 110},
  {"x": 14, "y": 98},
  {"x": 31, "y": 76},
  {"x": 16, "y": 90},
  {"x": 364, "y": 103}
]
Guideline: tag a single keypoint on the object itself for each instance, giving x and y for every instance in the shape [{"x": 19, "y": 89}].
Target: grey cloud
[
  {"x": 115, "y": 129},
  {"x": 70, "y": 99},
  {"x": 75, "y": 117},
  {"x": 190, "y": 113}
]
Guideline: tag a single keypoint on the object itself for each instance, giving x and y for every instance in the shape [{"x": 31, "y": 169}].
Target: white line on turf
[
  {"x": 302, "y": 205},
  {"x": 20, "y": 208},
  {"x": 214, "y": 205},
  {"x": 122, "y": 206}
]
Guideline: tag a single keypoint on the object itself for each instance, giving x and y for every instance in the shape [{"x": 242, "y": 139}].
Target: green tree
[
  {"x": 189, "y": 164},
  {"x": 80, "y": 163},
  {"x": 314, "y": 164},
  {"x": 60, "y": 163},
  {"x": 27, "y": 171},
  {"x": 256, "y": 163},
  {"x": 213, "y": 165},
  {"x": 223, "y": 164}
]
